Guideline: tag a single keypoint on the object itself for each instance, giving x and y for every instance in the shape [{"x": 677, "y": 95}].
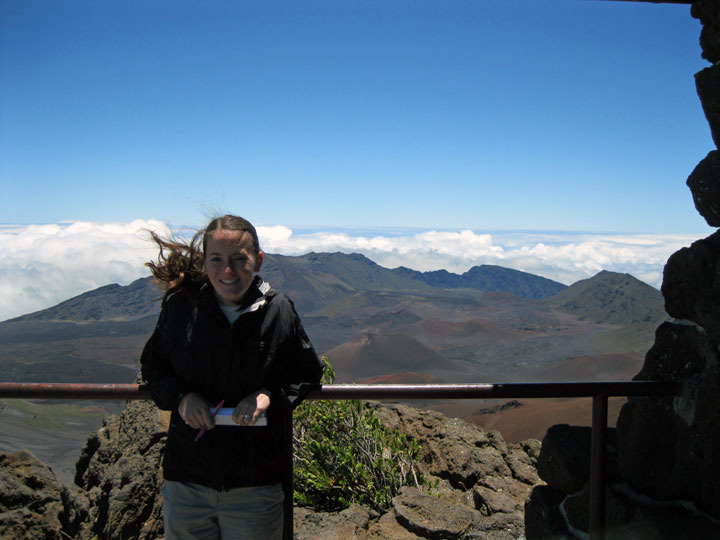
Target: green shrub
[{"x": 344, "y": 455}]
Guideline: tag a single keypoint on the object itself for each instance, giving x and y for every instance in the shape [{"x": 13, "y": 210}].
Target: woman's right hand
[{"x": 195, "y": 411}]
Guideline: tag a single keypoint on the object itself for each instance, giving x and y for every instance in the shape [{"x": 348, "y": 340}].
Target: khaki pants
[{"x": 194, "y": 512}]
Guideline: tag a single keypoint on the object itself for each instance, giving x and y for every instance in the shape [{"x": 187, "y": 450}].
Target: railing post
[
  {"x": 287, "y": 474},
  {"x": 598, "y": 462}
]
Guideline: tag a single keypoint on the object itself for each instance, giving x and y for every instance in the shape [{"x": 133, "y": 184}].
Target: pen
[{"x": 212, "y": 415}]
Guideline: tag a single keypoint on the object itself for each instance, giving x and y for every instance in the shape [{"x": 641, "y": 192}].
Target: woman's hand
[
  {"x": 195, "y": 410},
  {"x": 251, "y": 407}
]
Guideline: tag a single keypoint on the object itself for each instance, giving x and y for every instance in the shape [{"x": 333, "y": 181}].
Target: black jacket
[{"x": 195, "y": 349}]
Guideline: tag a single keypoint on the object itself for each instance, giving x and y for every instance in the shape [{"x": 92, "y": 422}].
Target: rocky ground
[
  {"x": 482, "y": 484},
  {"x": 483, "y": 488}
]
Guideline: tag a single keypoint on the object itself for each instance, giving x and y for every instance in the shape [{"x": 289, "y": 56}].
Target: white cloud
[{"x": 42, "y": 265}]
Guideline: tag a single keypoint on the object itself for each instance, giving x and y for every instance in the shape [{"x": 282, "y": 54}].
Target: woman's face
[{"x": 230, "y": 264}]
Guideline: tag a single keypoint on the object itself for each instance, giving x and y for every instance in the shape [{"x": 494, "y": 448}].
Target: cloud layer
[{"x": 42, "y": 265}]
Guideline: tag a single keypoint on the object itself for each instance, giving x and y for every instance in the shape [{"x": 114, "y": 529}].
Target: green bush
[{"x": 344, "y": 455}]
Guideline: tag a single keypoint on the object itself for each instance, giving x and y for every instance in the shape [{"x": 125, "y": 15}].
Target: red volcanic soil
[
  {"x": 475, "y": 329},
  {"x": 93, "y": 409},
  {"x": 373, "y": 355},
  {"x": 602, "y": 367},
  {"x": 404, "y": 378},
  {"x": 533, "y": 418}
]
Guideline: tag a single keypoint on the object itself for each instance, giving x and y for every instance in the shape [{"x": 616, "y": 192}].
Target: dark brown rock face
[
  {"x": 564, "y": 461},
  {"x": 462, "y": 453},
  {"x": 120, "y": 469},
  {"x": 708, "y": 11},
  {"x": 350, "y": 523},
  {"x": 707, "y": 83},
  {"x": 669, "y": 448},
  {"x": 662, "y": 459},
  {"x": 542, "y": 514},
  {"x": 691, "y": 284},
  {"x": 704, "y": 184},
  {"x": 483, "y": 482},
  {"x": 34, "y": 506}
]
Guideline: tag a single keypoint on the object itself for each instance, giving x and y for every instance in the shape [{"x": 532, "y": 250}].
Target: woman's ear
[{"x": 259, "y": 260}]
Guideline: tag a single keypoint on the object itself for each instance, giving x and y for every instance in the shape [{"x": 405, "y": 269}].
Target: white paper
[{"x": 224, "y": 418}]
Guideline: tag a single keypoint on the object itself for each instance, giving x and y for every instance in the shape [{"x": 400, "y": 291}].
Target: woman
[{"x": 223, "y": 337}]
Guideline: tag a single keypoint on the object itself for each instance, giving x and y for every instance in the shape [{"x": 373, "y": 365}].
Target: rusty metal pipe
[
  {"x": 493, "y": 390},
  {"x": 73, "y": 391},
  {"x": 368, "y": 391}
]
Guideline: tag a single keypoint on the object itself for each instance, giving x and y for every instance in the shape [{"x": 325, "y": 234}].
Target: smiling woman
[{"x": 223, "y": 337}]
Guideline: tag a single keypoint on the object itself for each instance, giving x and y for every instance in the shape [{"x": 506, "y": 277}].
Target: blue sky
[
  {"x": 557, "y": 114},
  {"x": 553, "y": 136}
]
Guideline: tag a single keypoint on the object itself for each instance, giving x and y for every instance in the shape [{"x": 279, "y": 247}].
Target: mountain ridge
[
  {"x": 314, "y": 281},
  {"x": 489, "y": 278}
]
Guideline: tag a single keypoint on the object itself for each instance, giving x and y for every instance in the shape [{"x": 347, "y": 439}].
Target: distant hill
[
  {"x": 610, "y": 297},
  {"x": 488, "y": 278},
  {"x": 634, "y": 307},
  {"x": 373, "y": 355},
  {"x": 114, "y": 302}
]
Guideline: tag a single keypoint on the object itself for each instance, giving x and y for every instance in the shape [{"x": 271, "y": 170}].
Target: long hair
[{"x": 180, "y": 264}]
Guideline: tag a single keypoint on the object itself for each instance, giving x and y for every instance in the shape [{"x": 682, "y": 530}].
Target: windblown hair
[{"x": 180, "y": 264}]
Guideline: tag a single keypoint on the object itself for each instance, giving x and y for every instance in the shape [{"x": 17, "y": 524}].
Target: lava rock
[
  {"x": 691, "y": 284},
  {"x": 668, "y": 447},
  {"x": 708, "y": 11},
  {"x": 120, "y": 469},
  {"x": 543, "y": 519},
  {"x": 704, "y": 184},
  {"x": 33, "y": 506}
]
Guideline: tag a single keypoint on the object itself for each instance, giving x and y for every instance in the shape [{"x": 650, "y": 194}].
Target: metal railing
[{"x": 598, "y": 391}]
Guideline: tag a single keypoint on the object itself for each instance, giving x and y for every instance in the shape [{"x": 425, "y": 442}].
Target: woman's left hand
[{"x": 251, "y": 407}]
